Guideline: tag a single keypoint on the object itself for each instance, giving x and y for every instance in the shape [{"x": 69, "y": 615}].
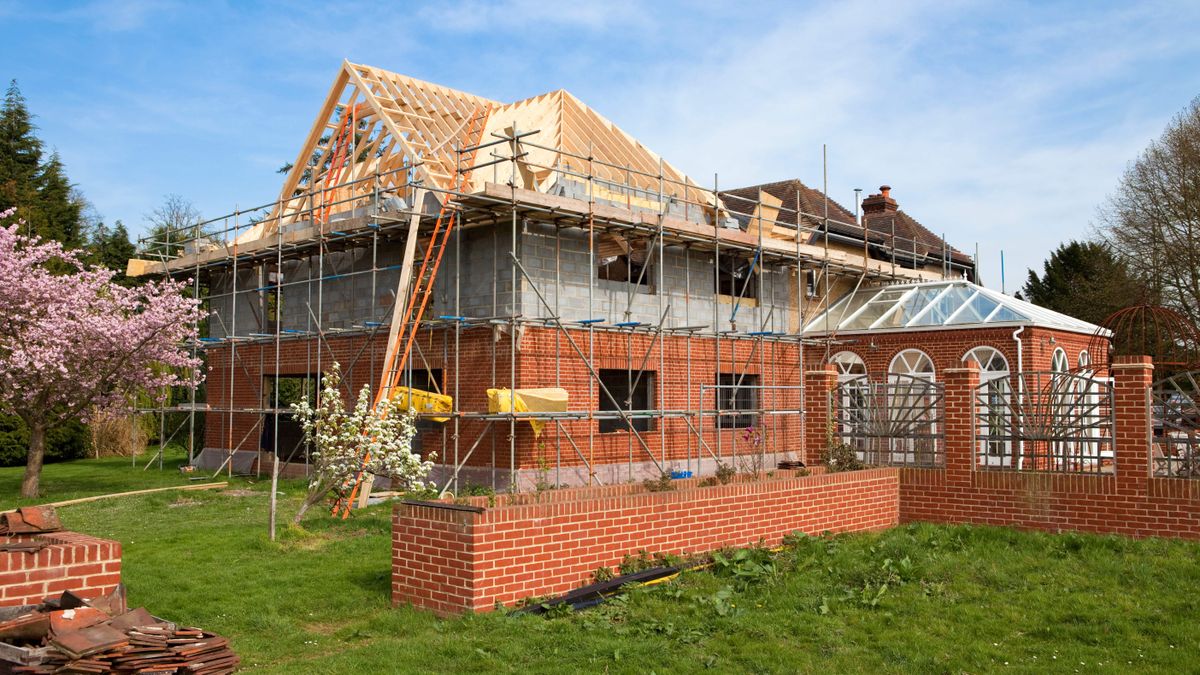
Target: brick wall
[
  {"x": 486, "y": 361},
  {"x": 1128, "y": 501},
  {"x": 947, "y": 348},
  {"x": 452, "y": 558},
  {"x": 77, "y": 562}
]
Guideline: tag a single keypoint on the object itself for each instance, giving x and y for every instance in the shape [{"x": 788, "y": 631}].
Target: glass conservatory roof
[{"x": 936, "y": 304}]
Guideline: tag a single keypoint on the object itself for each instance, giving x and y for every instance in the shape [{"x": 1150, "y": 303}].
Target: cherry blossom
[{"x": 73, "y": 344}]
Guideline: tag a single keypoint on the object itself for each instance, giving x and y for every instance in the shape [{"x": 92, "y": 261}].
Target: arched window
[
  {"x": 992, "y": 449},
  {"x": 991, "y": 362},
  {"x": 912, "y": 409},
  {"x": 852, "y": 394},
  {"x": 848, "y": 365},
  {"x": 1058, "y": 362},
  {"x": 912, "y": 362},
  {"x": 1085, "y": 359}
]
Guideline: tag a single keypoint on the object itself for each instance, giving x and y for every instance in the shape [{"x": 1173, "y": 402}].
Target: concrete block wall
[
  {"x": 453, "y": 559},
  {"x": 86, "y": 565},
  {"x": 350, "y": 295},
  {"x": 561, "y": 268}
]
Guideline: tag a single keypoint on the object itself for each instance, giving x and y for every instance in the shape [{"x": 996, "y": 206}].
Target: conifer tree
[{"x": 37, "y": 186}]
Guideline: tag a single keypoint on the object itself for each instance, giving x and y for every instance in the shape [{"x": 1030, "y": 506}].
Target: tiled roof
[{"x": 879, "y": 226}]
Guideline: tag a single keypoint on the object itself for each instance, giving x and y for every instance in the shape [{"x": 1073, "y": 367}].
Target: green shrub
[
  {"x": 842, "y": 457},
  {"x": 65, "y": 442}
]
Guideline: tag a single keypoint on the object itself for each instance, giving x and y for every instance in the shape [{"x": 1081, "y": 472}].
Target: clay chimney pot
[{"x": 885, "y": 190}]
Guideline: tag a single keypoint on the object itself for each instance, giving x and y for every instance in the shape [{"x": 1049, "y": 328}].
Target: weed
[
  {"x": 725, "y": 473},
  {"x": 750, "y": 462},
  {"x": 602, "y": 574},
  {"x": 708, "y": 481},
  {"x": 557, "y": 610},
  {"x": 645, "y": 561},
  {"x": 542, "y": 475},
  {"x": 723, "y": 602},
  {"x": 661, "y": 484},
  {"x": 745, "y": 565},
  {"x": 473, "y": 490}
]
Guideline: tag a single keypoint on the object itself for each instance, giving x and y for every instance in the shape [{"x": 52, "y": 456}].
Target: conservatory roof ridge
[{"x": 951, "y": 303}]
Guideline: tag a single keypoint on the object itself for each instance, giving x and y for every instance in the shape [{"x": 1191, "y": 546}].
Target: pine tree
[
  {"x": 60, "y": 213},
  {"x": 111, "y": 248},
  {"x": 20, "y": 155},
  {"x": 39, "y": 189},
  {"x": 1084, "y": 280}
]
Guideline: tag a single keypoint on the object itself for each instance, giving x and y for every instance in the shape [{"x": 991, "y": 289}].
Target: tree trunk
[
  {"x": 312, "y": 498},
  {"x": 33, "y": 465}
]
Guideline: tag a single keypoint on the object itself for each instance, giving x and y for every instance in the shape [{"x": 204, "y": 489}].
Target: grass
[
  {"x": 70, "y": 480},
  {"x": 918, "y": 598}
]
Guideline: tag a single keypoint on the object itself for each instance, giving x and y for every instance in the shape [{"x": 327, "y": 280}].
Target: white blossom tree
[
  {"x": 342, "y": 438},
  {"x": 74, "y": 344}
]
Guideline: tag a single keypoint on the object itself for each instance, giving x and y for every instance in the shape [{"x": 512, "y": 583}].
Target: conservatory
[{"x": 1039, "y": 402}]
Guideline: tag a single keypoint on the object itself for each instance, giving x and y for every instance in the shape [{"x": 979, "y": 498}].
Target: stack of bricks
[
  {"x": 453, "y": 558},
  {"x": 85, "y": 565}
]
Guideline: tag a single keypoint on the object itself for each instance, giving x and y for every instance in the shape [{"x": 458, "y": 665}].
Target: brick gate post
[
  {"x": 1132, "y": 378},
  {"x": 959, "y": 421},
  {"x": 820, "y": 409}
]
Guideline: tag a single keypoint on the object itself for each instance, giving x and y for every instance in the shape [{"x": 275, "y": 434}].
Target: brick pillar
[
  {"x": 959, "y": 423},
  {"x": 1132, "y": 379},
  {"x": 819, "y": 411}
]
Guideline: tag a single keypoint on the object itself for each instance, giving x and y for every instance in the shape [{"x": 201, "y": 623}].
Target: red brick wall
[
  {"x": 485, "y": 361},
  {"x": 451, "y": 560},
  {"x": 946, "y": 348},
  {"x": 1128, "y": 501},
  {"x": 86, "y": 565}
]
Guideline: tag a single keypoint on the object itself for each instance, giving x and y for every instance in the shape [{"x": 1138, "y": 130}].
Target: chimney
[{"x": 880, "y": 203}]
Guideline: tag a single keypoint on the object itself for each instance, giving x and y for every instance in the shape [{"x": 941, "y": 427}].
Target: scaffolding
[{"x": 237, "y": 262}]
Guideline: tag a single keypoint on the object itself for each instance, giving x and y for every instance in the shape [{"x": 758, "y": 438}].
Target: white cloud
[{"x": 1009, "y": 135}]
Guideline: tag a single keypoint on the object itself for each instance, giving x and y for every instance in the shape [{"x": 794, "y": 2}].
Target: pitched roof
[
  {"x": 909, "y": 233},
  {"x": 375, "y": 124}
]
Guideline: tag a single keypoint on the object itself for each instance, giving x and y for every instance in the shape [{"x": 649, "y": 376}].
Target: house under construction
[{"x": 561, "y": 304}]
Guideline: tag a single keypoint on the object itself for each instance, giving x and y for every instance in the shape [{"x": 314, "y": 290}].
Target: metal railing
[
  {"x": 896, "y": 422},
  {"x": 1045, "y": 421},
  {"x": 1175, "y": 444}
]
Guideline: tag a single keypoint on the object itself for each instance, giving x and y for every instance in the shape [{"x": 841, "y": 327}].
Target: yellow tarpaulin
[
  {"x": 423, "y": 402},
  {"x": 547, "y": 399}
]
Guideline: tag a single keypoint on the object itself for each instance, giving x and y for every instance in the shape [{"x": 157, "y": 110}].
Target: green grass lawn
[{"x": 919, "y": 598}]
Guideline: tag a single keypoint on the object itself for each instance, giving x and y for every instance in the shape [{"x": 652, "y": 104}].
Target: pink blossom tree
[{"x": 74, "y": 344}]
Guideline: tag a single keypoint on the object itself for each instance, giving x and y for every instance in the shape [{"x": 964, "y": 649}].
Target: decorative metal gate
[
  {"x": 1175, "y": 450},
  {"x": 1045, "y": 421},
  {"x": 896, "y": 422}
]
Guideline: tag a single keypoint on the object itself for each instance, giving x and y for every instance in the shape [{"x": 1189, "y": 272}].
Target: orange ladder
[{"x": 406, "y": 332}]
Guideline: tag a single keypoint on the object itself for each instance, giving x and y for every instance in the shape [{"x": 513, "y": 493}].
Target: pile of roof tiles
[
  {"x": 29, "y": 520},
  {"x": 69, "y": 634}
]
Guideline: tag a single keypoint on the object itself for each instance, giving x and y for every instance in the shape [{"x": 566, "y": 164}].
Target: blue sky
[{"x": 1002, "y": 124}]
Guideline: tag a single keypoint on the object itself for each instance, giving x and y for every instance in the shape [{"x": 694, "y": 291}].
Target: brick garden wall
[
  {"x": 452, "y": 558},
  {"x": 1127, "y": 501},
  {"x": 77, "y": 562}
]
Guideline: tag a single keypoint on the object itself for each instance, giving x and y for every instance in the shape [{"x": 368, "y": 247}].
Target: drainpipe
[{"x": 1016, "y": 336}]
